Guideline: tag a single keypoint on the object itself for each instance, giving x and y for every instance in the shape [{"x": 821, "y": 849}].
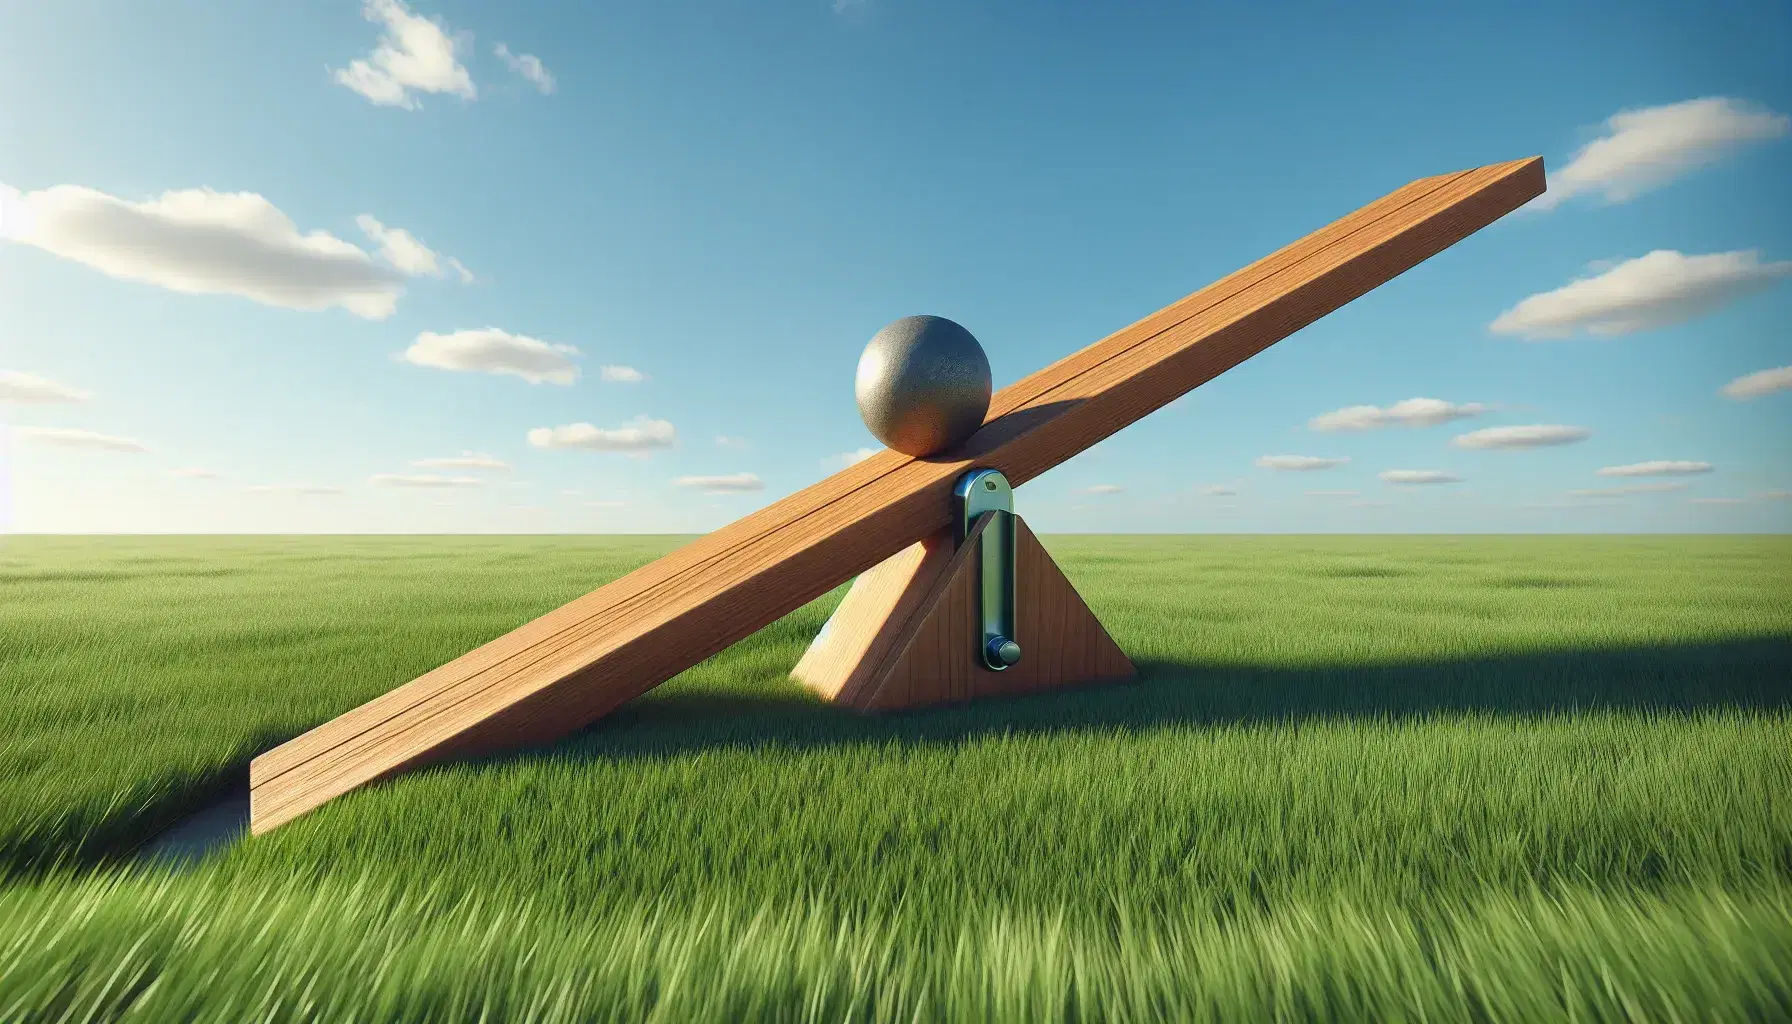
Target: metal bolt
[{"x": 1002, "y": 650}]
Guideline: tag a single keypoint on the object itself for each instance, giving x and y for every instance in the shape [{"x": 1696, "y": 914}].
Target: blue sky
[{"x": 722, "y": 202}]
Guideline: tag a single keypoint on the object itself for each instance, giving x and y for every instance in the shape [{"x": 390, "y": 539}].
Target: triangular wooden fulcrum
[{"x": 906, "y": 634}]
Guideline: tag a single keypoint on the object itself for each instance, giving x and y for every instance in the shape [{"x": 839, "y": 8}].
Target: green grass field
[{"x": 1361, "y": 778}]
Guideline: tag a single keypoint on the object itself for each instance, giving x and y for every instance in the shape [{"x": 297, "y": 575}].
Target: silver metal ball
[{"x": 923, "y": 385}]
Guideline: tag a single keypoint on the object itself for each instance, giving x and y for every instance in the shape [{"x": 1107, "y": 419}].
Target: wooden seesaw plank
[{"x": 569, "y": 667}]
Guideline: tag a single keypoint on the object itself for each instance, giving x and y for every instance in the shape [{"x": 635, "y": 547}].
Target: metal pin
[{"x": 985, "y": 492}]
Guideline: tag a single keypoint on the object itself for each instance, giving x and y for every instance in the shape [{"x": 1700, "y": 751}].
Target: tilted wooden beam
[{"x": 559, "y": 672}]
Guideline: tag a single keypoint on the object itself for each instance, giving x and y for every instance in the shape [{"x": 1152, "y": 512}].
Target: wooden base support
[{"x": 906, "y": 634}]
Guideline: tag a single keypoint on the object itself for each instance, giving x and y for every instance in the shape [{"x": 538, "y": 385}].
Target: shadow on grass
[
  {"x": 1673, "y": 679},
  {"x": 1749, "y": 674},
  {"x": 179, "y": 821}
]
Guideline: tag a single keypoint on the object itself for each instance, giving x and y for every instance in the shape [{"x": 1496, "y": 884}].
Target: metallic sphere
[{"x": 923, "y": 385}]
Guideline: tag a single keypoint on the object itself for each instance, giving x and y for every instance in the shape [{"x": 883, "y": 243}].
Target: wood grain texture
[
  {"x": 912, "y": 626},
  {"x": 561, "y": 671},
  {"x": 849, "y": 656}
]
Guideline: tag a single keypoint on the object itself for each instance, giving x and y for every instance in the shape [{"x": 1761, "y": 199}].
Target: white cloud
[
  {"x": 1219, "y": 490},
  {"x": 424, "y": 480},
  {"x": 643, "y": 434},
  {"x": 408, "y": 255},
  {"x": 293, "y": 489},
  {"x": 201, "y": 242},
  {"x": 731, "y": 442},
  {"x": 1333, "y": 494},
  {"x": 527, "y": 65},
  {"x": 854, "y": 457},
  {"x": 735, "y": 483},
  {"x": 1571, "y": 504},
  {"x": 193, "y": 473},
  {"x": 1419, "y": 476},
  {"x": 1761, "y": 382},
  {"x": 1659, "y": 467},
  {"x": 622, "y": 374},
  {"x": 16, "y": 215},
  {"x": 1658, "y": 290},
  {"x": 490, "y": 350},
  {"x": 1299, "y": 462},
  {"x": 1412, "y": 412},
  {"x": 1538, "y": 436},
  {"x": 27, "y": 389},
  {"x": 1715, "y": 501},
  {"x": 415, "y": 54},
  {"x": 1645, "y": 149},
  {"x": 1618, "y": 492},
  {"x": 1102, "y": 489},
  {"x": 606, "y": 503},
  {"x": 69, "y": 438},
  {"x": 465, "y": 460}
]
